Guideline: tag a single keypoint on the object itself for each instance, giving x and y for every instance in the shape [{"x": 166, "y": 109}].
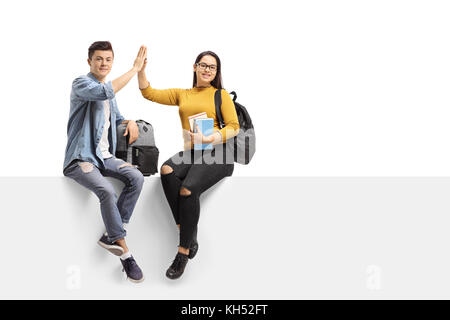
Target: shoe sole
[
  {"x": 174, "y": 278},
  {"x": 136, "y": 281},
  {"x": 115, "y": 250}
]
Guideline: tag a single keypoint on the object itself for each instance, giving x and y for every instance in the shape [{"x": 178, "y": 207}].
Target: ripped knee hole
[
  {"x": 86, "y": 167},
  {"x": 126, "y": 164},
  {"x": 165, "y": 169},
  {"x": 185, "y": 192}
]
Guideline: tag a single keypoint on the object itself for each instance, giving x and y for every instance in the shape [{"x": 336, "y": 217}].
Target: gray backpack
[{"x": 143, "y": 153}]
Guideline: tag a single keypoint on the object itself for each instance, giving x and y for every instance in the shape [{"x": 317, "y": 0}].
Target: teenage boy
[{"x": 91, "y": 145}]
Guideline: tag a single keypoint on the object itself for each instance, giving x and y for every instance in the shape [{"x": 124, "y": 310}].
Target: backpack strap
[
  {"x": 218, "y": 103},
  {"x": 232, "y": 93},
  {"x": 127, "y": 140}
]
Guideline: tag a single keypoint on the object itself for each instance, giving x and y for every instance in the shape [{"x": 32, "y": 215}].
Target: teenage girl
[{"x": 187, "y": 174}]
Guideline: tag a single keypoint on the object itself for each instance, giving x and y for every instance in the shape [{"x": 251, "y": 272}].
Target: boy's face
[{"x": 101, "y": 63}]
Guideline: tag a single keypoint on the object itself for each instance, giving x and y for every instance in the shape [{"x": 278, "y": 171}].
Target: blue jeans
[{"x": 115, "y": 212}]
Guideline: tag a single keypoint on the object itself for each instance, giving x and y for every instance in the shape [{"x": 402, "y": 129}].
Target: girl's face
[{"x": 205, "y": 70}]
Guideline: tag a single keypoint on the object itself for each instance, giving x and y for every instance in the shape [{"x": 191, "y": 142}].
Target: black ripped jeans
[{"x": 195, "y": 171}]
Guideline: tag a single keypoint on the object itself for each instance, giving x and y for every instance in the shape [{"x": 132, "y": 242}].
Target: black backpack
[
  {"x": 143, "y": 153},
  {"x": 245, "y": 140}
]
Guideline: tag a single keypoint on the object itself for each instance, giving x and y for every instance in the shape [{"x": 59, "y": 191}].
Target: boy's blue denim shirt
[{"x": 86, "y": 120}]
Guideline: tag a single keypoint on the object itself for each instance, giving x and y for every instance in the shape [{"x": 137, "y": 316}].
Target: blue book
[{"x": 206, "y": 127}]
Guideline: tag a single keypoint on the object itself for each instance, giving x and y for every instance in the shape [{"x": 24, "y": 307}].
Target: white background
[{"x": 335, "y": 88}]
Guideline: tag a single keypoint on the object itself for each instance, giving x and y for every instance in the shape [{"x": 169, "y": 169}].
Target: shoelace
[
  {"x": 177, "y": 262},
  {"x": 128, "y": 264}
]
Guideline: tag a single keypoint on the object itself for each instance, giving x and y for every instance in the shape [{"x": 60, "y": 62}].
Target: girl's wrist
[
  {"x": 208, "y": 139},
  {"x": 215, "y": 137}
]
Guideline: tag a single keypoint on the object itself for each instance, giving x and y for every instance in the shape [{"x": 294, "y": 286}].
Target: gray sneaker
[
  {"x": 110, "y": 246},
  {"x": 134, "y": 273}
]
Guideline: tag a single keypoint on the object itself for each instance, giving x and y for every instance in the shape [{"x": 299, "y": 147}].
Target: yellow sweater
[{"x": 197, "y": 100}]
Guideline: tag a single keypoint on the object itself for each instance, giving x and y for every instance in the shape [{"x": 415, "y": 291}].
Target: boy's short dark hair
[{"x": 99, "y": 45}]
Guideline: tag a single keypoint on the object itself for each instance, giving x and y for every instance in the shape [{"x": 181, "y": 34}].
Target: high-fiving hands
[
  {"x": 142, "y": 78},
  {"x": 138, "y": 65},
  {"x": 141, "y": 60}
]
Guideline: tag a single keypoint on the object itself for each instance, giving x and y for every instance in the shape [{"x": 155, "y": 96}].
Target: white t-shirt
[{"x": 104, "y": 142}]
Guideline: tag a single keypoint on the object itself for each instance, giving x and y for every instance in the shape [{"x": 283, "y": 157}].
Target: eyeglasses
[{"x": 202, "y": 66}]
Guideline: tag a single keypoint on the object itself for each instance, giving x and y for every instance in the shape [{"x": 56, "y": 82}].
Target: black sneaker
[
  {"x": 194, "y": 246},
  {"x": 134, "y": 273},
  {"x": 110, "y": 246},
  {"x": 193, "y": 250},
  {"x": 177, "y": 268}
]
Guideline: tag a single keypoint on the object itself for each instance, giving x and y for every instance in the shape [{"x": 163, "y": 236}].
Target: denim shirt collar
[{"x": 91, "y": 75}]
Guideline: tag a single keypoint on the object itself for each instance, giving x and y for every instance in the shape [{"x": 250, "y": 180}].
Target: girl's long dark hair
[{"x": 217, "y": 82}]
